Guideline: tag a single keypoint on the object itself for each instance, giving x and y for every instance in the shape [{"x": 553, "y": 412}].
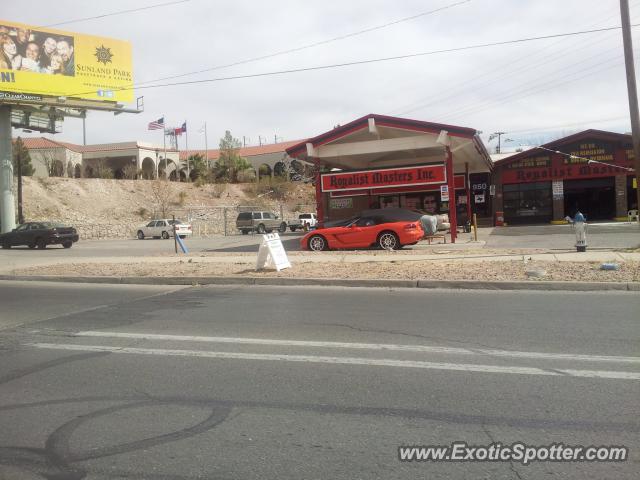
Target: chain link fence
[{"x": 205, "y": 221}]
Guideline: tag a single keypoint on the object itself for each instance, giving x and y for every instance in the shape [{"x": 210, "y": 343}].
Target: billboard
[{"x": 48, "y": 62}]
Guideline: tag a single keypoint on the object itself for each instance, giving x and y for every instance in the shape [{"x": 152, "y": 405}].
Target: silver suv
[{"x": 260, "y": 222}]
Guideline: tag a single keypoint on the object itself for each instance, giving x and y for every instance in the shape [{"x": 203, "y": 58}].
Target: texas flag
[{"x": 181, "y": 130}]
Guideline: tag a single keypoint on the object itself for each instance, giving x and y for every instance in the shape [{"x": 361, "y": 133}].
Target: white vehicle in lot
[
  {"x": 305, "y": 221},
  {"x": 163, "y": 228}
]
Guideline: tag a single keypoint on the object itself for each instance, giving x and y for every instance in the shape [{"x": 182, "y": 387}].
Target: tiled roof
[
  {"x": 245, "y": 151},
  {"x": 36, "y": 143}
]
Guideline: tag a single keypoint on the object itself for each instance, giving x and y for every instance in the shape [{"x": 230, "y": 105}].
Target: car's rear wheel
[
  {"x": 283, "y": 227},
  {"x": 388, "y": 241},
  {"x": 140, "y": 235},
  {"x": 244, "y": 232},
  {"x": 165, "y": 235},
  {"x": 67, "y": 244},
  {"x": 41, "y": 243},
  {"x": 6, "y": 245},
  {"x": 261, "y": 229},
  {"x": 293, "y": 229},
  {"x": 317, "y": 243},
  {"x": 32, "y": 246}
]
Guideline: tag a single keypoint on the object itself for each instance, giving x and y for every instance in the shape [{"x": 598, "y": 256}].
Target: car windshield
[{"x": 53, "y": 225}]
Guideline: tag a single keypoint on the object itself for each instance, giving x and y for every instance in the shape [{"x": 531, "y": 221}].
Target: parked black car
[{"x": 40, "y": 234}]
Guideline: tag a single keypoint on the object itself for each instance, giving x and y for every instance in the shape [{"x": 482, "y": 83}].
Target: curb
[{"x": 328, "y": 282}]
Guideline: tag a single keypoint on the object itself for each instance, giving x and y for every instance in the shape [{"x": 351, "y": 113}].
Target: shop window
[
  {"x": 392, "y": 201},
  {"x": 527, "y": 200}
]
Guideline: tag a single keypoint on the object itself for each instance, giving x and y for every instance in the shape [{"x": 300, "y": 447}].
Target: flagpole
[
  {"x": 206, "y": 147},
  {"x": 166, "y": 164},
  {"x": 186, "y": 147}
]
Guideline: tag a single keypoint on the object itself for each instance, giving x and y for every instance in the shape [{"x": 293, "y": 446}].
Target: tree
[
  {"x": 161, "y": 195},
  {"x": 55, "y": 168},
  {"x": 198, "y": 168},
  {"x": 230, "y": 161},
  {"x": 25, "y": 158}
]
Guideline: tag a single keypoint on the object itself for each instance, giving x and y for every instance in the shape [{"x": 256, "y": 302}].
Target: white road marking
[
  {"x": 365, "y": 346},
  {"x": 344, "y": 361}
]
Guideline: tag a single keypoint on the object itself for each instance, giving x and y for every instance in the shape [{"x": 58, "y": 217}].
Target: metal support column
[
  {"x": 453, "y": 218},
  {"x": 319, "y": 200},
  {"x": 467, "y": 185},
  {"x": 7, "y": 203}
]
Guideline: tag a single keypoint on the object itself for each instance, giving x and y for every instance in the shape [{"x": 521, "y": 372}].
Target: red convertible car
[{"x": 389, "y": 229}]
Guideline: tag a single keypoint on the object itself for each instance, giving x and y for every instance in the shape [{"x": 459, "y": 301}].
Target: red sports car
[{"x": 382, "y": 228}]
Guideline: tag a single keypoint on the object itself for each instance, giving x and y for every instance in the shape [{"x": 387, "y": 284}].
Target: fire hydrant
[{"x": 580, "y": 227}]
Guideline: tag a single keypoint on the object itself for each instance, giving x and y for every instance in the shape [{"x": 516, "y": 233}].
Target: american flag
[{"x": 157, "y": 125}]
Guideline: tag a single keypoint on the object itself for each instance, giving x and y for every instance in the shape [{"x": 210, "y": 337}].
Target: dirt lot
[
  {"x": 427, "y": 270},
  {"x": 99, "y": 201}
]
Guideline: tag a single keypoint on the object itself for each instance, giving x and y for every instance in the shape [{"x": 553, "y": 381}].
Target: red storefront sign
[
  {"x": 563, "y": 172},
  {"x": 458, "y": 180},
  {"x": 383, "y": 178}
]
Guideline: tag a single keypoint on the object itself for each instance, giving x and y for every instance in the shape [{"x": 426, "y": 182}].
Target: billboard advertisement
[{"x": 48, "y": 62}]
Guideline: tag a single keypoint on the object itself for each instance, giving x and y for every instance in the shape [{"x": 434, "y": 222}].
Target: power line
[
  {"x": 362, "y": 62},
  {"x": 116, "y": 13},
  {"x": 493, "y": 74},
  {"x": 528, "y": 91},
  {"x": 310, "y": 45}
]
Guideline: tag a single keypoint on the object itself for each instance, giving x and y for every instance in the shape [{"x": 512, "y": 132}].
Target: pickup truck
[
  {"x": 259, "y": 222},
  {"x": 308, "y": 220}
]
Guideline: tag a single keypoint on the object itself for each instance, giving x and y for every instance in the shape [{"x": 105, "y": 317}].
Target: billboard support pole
[{"x": 7, "y": 203}]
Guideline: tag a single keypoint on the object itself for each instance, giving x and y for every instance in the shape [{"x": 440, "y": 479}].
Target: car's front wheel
[
  {"x": 261, "y": 229},
  {"x": 67, "y": 244},
  {"x": 283, "y": 227},
  {"x": 6, "y": 245},
  {"x": 245, "y": 232},
  {"x": 388, "y": 241},
  {"x": 317, "y": 243},
  {"x": 140, "y": 235},
  {"x": 41, "y": 243},
  {"x": 165, "y": 235}
]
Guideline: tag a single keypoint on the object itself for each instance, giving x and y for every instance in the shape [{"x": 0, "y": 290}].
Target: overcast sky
[{"x": 532, "y": 90}]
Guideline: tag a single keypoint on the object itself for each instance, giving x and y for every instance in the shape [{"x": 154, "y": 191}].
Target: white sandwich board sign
[{"x": 272, "y": 253}]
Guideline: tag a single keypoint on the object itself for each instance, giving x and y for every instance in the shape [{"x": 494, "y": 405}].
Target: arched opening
[
  {"x": 279, "y": 169},
  {"x": 264, "y": 170},
  {"x": 148, "y": 168},
  {"x": 70, "y": 169},
  {"x": 183, "y": 175},
  {"x": 57, "y": 169},
  {"x": 119, "y": 174},
  {"x": 77, "y": 171}
]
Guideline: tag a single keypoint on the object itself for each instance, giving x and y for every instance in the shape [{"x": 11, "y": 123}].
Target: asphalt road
[
  {"x": 268, "y": 382},
  {"x": 559, "y": 237}
]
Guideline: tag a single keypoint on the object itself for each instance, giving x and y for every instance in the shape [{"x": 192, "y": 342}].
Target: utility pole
[
  {"x": 499, "y": 135},
  {"x": 632, "y": 91},
  {"x": 19, "y": 162},
  {"x": 84, "y": 128},
  {"x": 7, "y": 205}
]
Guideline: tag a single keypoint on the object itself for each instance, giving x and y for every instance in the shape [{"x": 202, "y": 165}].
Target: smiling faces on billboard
[{"x": 53, "y": 63}]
